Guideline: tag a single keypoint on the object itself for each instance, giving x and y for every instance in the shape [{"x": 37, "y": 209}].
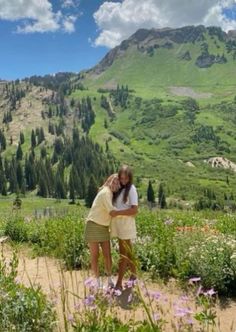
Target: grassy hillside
[
  {"x": 152, "y": 70},
  {"x": 163, "y": 101}
]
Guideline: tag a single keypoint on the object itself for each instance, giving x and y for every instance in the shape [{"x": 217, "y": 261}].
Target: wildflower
[
  {"x": 70, "y": 318},
  {"x": 156, "y": 317},
  {"x": 210, "y": 292},
  {"x": 130, "y": 298},
  {"x": 89, "y": 300},
  {"x": 184, "y": 298},
  {"x": 155, "y": 295},
  {"x": 182, "y": 312},
  {"x": 17, "y": 281},
  {"x": 131, "y": 283},
  {"x": 117, "y": 292},
  {"x": 193, "y": 280},
  {"x": 168, "y": 221},
  {"x": 88, "y": 282},
  {"x": 77, "y": 306}
]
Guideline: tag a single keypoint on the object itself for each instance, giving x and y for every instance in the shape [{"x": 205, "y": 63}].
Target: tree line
[{"x": 75, "y": 170}]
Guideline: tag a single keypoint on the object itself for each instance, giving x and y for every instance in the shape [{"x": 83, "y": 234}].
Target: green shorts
[{"x": 96, "y": 233}]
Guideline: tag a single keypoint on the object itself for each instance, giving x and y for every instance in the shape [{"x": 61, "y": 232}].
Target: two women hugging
[{"x": 112, "y": 215}]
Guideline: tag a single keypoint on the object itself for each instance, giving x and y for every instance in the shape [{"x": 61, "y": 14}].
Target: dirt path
[{"x": 55, "y": 282}]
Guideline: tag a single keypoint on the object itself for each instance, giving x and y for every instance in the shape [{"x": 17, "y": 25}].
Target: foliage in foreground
[
  {"x": 22, "y": 309},
  {"x": 97, "y": 312},
  {"x": 170, "y": 244}
]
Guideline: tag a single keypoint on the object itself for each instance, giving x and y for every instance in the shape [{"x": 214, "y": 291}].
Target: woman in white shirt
[{"x": 123, "y": 223}]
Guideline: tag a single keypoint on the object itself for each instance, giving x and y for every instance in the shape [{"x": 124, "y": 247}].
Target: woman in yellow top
[{"x": 97, "y": 231}]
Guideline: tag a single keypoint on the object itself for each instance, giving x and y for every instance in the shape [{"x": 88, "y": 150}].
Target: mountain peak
[{"x": 147, "y": 39}]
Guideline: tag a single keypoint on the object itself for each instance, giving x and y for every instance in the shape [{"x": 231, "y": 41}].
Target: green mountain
[
  {"x": 154, "y": 61},
  {"x": 162, "y": 101}
]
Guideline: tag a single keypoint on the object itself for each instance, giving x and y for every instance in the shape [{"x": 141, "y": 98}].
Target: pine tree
[
  {"x": 91, "y": 192},
  {"x": 227, "y": 179},
  {"x": 13, "y": 184},
  {"x": 71, "y": 188},
  {"x": 19, "y": 175},
  {"x": 42, "y": 187},
  {"x": 3, "y": 142},
  {"x": 105, "y": 123},
  {"x": 22, "y": 138},
  {"x": 161, "y": 197},
  {"x": 33, "y": 139},
  {"x": 41, "y": 136},
  {"x": 19, "y": 152},
  {"x": 150, "y": 193},
  {"x": 60, "y": 191},
  {"x": 43, "y": 152}
]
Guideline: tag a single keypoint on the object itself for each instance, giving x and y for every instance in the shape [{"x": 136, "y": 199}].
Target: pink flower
[
  {"x": 156, "y": 317},
  {"x": 210, "y": 292},
  {"x": 117, "y": 292},
  {"x": 195, "y": 279},
  {"x": 168, "y": 221},
  {"x": 70, "y": 318},
  {"x": 181, "y": 312},
  {"x": 89, "y": 300}
]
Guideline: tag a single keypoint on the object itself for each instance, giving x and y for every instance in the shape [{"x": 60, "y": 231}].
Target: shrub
[{"x": 23, "y": 309}]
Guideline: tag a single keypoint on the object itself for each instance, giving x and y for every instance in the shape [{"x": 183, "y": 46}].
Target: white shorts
[{"x": 123, "y": 227}]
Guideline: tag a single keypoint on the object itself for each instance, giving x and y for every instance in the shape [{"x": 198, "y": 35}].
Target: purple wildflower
[
  {"x": 70, "y": 318},
  {"x": 117, "y": 292},
  {"x": 194, "y": 280},
  {"x": 184, "y": 298},
  {"x": 89, "y": 282},
  {"x": 155, "y": 295},
  {"x": 181, "y": 312},
  {"x": 130, "y": 298},
  {"x": 210, "y": 292},
  {"x": 89, "y": 300},
  {"x": 77, "y": 306},
  {"x": 168, "y": 221},
  {"x": 156, "y": 317}
]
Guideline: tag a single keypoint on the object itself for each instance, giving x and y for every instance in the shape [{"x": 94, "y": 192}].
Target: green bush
[
  {"x": 62, "y": 237},
  {"x": 22, "y": 309}
]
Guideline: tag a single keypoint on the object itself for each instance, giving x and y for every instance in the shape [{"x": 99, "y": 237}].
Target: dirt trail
[{"x": 49, "y": 273}]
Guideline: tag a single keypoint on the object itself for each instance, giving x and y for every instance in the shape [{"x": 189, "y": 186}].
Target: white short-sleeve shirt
[{"x": 132, "y": 199}]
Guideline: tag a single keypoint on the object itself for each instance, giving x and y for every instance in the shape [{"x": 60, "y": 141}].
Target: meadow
[{"x": 186, "y": 262}]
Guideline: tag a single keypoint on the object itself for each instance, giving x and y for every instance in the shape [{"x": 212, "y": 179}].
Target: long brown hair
[{"x": 128, "y": 172}]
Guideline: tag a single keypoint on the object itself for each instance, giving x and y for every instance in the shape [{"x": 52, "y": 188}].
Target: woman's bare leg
[
  {"x": 94, "y": 253},
  {"x": 125, "y": 247},
  {"x": 106, "y": 250}
]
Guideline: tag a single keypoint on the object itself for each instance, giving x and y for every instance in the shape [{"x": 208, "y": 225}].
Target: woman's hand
[{"x": 113, "y": 213}]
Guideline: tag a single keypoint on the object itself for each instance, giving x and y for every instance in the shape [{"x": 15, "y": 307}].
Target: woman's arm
[
  {"x": 107, "y": 203},
  {"x": 132, "y": 211}
]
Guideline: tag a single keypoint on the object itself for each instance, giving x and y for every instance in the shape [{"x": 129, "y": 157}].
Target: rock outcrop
[{"x": 221, "y": 162}]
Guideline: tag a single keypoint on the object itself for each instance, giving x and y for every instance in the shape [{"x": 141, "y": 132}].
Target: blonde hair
[{"x": 109, "y": 181}]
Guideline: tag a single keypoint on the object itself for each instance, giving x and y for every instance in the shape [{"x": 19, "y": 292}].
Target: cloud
[
  {"x": 70, "y": 3},
  {"x": 69, "y": 23},
  {"x": 36, "y": 16},
  {"x": 118, "y": 20}
]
